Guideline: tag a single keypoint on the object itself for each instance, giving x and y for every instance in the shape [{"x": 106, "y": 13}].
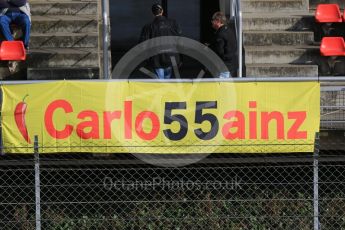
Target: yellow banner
[{"x": 164, "y": 118}]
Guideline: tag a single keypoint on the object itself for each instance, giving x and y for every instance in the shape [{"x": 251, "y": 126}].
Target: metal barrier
[
  {"x": 225, "y": 192},
  {"x": 236, "y": 13}
]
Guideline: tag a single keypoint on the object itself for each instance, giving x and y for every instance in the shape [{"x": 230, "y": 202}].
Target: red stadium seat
[
  {"x": 332, "y": 46},
  {"x": 12, "y": 51},
  {"x": 328, "y": 13},
  {"x": 344, "y": 16}
]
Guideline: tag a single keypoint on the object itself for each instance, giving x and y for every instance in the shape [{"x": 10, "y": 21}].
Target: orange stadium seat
[
  {"x": 328, "y": 13},
  {"x": 332, "y": 46},
  {"x": 12, "y": 51}
]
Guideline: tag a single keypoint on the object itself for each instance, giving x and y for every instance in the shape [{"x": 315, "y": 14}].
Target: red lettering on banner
[
  {"x": 92, "y": 124},
  {"x": 108, "y": 118},
  {"x": 128, "y": 119},
  {"x": 238, "y": 121},
  {"x": 48, "y": 119},
  {"x": 299, "y": 118},
  {"x": 155, "y": 126},
  {"x": 252, "y": 121},
  {"x": 239, "y": 124},
  {"x": 266, "y": 117}
]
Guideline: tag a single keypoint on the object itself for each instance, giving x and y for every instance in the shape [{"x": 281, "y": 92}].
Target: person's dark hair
[
  {"x": 157, "y": 9},
  {"x": 219, "y": 16}
]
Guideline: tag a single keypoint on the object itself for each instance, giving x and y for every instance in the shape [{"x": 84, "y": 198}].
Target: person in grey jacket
[{"x": 16, "y": 12}]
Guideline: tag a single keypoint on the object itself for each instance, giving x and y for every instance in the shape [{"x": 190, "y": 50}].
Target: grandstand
[
  {"x": 280, "y": 38},
  {"x": 64, "y": 44}
]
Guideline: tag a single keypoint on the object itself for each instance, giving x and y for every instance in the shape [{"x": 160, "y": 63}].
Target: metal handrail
[
  {"x": 106, "y": 39},
  {"x": 340, "y": 79},
  {"x": 236, "y": 13}
]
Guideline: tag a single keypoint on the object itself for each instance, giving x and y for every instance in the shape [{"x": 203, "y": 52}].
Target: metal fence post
[
  {"x": 316, "y": 183},
  {"x": 37, "y": 185}
]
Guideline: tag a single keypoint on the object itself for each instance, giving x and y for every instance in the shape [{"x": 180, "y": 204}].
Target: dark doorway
[
  {"x": 207, "y": 9},
  {"x": 164, "y": 4},
  {"x": 129, "y": 16}
]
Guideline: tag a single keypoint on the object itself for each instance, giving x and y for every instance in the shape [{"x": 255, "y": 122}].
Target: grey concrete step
[
  {"x": 274, "y": 6},
  {"x": 62, "y": 73},
  {"x": 277, "y": 21},
  {"x": 64, "y": 23},
  {"x": 65, "y": 57},
  {"x": 53, "y": 40},
  {"x": 265, "y": 38},
  {"x": 282, "y": 54},
  {"x": 313, "y": 3},
  {"x": 281, "y": 70},
  {"x": 63, "y": 7}
]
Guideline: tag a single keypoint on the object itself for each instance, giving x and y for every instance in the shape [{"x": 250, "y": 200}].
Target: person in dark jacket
[
  {"x": 161, "y": 26},
  {"x": 224, "y": 44},
  {"x": 16, "y": 12}
]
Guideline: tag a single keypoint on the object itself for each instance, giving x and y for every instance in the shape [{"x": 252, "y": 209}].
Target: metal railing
[
  {"x": 236, "y": 14},
  {"x": 106, "y": 39},
  {"x": 323, "y": 80}
]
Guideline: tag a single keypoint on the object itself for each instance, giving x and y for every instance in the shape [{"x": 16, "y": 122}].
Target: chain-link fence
[
  {"x": 222, "y": 191},
  {"x": 271, "y": 192}
]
